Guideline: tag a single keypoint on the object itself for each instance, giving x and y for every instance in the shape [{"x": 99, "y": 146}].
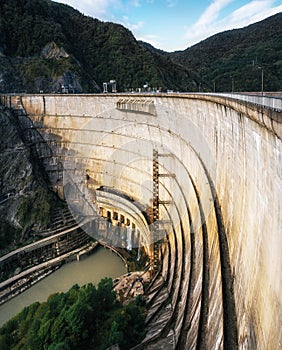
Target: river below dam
[{"x": 102, "y": 263}]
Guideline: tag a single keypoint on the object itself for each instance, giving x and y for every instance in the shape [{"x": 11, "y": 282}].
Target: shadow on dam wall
[{"x": 219, "y": 193}]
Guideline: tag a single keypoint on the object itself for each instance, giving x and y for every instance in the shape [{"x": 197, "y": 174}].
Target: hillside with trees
[
  {"x": 235, "y": 59},
  {"x": 44, "y": 45}
]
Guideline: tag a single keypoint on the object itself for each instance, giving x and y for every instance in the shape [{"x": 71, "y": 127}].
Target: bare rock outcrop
[{"x": 51, "y": 50}]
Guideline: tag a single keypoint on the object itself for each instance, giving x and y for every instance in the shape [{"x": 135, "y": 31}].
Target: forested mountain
[
  {"x": 237, "y": 57},
  {"x": 44, "y": 45}
]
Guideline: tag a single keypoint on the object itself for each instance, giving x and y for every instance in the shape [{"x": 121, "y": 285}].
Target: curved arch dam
[{"x": 211, "y": 166}]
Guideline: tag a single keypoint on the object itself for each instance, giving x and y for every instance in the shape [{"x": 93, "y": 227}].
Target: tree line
[{"x": 86, "y": 317}]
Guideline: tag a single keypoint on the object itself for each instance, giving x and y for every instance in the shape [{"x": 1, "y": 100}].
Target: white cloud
[
  {"x": 171, "y": 3},
  {"x": 95, "y": 8},
  {"x": 206, "y": 24},
  {"x": 132, "y": 26},
  {"x": 212, "y": 12},
  {"x": 209, "y": 23},
  {"x": 135, "y": 3},
  {"x": 253, "y": 12},
  {"x": 151, "y": 39}
]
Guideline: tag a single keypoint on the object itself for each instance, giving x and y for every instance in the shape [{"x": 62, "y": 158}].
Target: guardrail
[{"x": 274, "y": 102}]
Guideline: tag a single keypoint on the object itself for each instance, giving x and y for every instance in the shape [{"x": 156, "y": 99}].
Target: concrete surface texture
[{"x": 220, "y": 199}]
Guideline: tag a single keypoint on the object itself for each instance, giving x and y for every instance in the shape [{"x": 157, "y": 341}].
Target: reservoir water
[{"x": 102, "y": 263}]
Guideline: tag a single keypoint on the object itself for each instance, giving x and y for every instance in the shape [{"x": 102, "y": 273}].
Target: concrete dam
[{"x": 207, "y": 170}]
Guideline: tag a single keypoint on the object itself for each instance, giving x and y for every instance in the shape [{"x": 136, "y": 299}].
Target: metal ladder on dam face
[
  {"x": 155, "y": 211},
  {"x": 157, "y": 229}
]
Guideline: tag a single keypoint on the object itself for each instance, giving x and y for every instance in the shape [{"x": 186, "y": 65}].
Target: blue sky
[{"x": 173, "y": 25}]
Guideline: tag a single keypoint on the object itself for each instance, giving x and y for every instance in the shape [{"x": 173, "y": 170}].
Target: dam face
[{"x": 219, "y": 197}]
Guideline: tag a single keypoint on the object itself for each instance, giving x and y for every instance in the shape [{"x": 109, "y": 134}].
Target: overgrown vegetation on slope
[
  {"x": 97, "y": 52},
  {"x": 82, "y": 318},
  {"x": 235, "y": 58}
]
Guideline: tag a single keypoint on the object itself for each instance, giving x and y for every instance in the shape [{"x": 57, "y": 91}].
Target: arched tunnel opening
[{"x": 187, "y": 182}]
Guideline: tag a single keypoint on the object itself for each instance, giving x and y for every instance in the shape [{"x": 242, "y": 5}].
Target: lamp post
[
  {"x": 232, "y": 84},
  {"x": 262, "y": 78}
]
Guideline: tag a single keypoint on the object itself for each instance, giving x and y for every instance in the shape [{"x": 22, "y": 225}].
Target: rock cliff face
[
  {"x": 25, "y": 201},
  {"x": 51, "y": 50}
]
